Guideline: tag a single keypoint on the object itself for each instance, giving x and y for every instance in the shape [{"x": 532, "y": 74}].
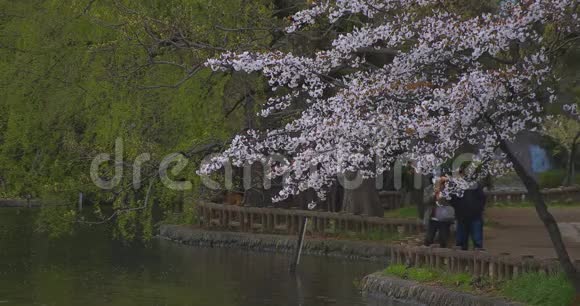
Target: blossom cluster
[
  {"x": 453, "y": 82},
  {"x": 572, "y": 109}
]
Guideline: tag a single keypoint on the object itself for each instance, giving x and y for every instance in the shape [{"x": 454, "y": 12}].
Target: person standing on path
[
  {"x": 439, "y": 217},
  {"x": 469, "y": 214}
]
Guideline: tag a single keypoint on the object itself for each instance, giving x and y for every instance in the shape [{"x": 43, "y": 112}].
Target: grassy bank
[
  {"x": 377, "y": 236},
  {"x": 531, "y": 289},
  {"x": 407, "y": 212}
]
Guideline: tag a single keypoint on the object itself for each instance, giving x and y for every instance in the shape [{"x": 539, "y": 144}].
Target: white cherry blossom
[{"x": 451, "y": 83}]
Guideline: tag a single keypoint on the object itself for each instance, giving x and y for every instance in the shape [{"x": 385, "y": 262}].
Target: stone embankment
[
  {"x": 18, "y": 203},
  {"x": 190, "y": 235},
  {"x": 379, "y": 286}
]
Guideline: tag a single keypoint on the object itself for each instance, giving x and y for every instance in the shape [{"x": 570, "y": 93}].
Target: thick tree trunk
[
  {"x": 547, "y": 218},
  {"x": 417, "y": 198},
  {"x": 253, "y": 183},
  {"x": 334, "y": 197},
  {"x": 363, "y": 200}
]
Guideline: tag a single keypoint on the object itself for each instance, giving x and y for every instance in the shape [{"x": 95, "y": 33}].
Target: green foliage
[
  {"x": 407, "y": 212},
  {"x": 563, "y": 130},
  {"x": 532, "y": 289},
  {"x": 396, "y": 270},
  {"x": 56, "y": 220},
  {"x": 554, "y": 178},
  {"x": 187, "y": 217},
  {"x": 76, "y": 77},
  {"x": 422, "y": 275},
  {"x": 463, "y": 281},
  {"x": 551, "y": 178},
  {"x": 459, "y": 281},
  {"x": 539, "y": 289}
]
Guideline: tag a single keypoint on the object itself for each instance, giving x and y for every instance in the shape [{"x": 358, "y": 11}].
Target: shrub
[
  {"x": 56, "y": 221},
  {"x": 188, "y": 216},
  {"x": 555, "y": 178}
]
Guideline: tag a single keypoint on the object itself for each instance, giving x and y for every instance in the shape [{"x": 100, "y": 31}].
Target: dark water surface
[{"x": 89, "y": 269}]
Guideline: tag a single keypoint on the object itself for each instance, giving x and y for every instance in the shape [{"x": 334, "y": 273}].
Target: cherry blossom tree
[{"x": 448, "y": 80}]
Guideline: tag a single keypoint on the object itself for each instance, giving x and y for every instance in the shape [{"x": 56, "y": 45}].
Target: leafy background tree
[
  {"x": 77, "y": 75},
  {"x": 566, "y": 132}
]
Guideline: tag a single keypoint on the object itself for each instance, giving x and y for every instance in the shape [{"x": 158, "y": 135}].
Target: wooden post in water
[
  {"x": 80, "y": 201},
  {"x": 298, "y": 250}
]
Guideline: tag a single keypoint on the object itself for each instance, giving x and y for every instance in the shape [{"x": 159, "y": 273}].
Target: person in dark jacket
[{"x": 469, "y": 214}]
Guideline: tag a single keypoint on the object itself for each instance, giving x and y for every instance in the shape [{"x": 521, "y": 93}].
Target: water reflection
[
  {"x": 88, "y": 269},
  {"x": 377, "y": 300}
]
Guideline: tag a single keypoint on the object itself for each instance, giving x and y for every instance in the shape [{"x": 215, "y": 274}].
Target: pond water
[{"x": 89, "y": 268}]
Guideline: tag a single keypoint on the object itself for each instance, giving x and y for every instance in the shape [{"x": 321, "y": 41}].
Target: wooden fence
[
  {"x": 476, "y": 263},
  {"x": 563, "y": 194},
  {"x": 395, "y": 199},
  {"x": 287, "y": 221}
]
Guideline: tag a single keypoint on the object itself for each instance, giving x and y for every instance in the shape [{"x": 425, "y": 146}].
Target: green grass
[
  {"x": 539, "y": 290},
  {"x": 408, "y": 212},
  {"x": 456, "y": 281},
  {"x": 534, "y": 289},
  {"x": 423, "y": 275},
  {"x": 396, "y": 270}
]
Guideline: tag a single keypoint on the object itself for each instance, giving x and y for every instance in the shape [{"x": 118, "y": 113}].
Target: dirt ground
[{"x": 519, "y": 231}]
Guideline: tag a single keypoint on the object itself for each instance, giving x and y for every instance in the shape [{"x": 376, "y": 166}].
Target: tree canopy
[
  {"x": 77, "y": 75},
  {"x": 418, "y": 79},
  {"x": 447, "y": 77}
]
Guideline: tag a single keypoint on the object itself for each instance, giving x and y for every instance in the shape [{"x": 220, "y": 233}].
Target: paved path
[{"x": 519, "y": 231}]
